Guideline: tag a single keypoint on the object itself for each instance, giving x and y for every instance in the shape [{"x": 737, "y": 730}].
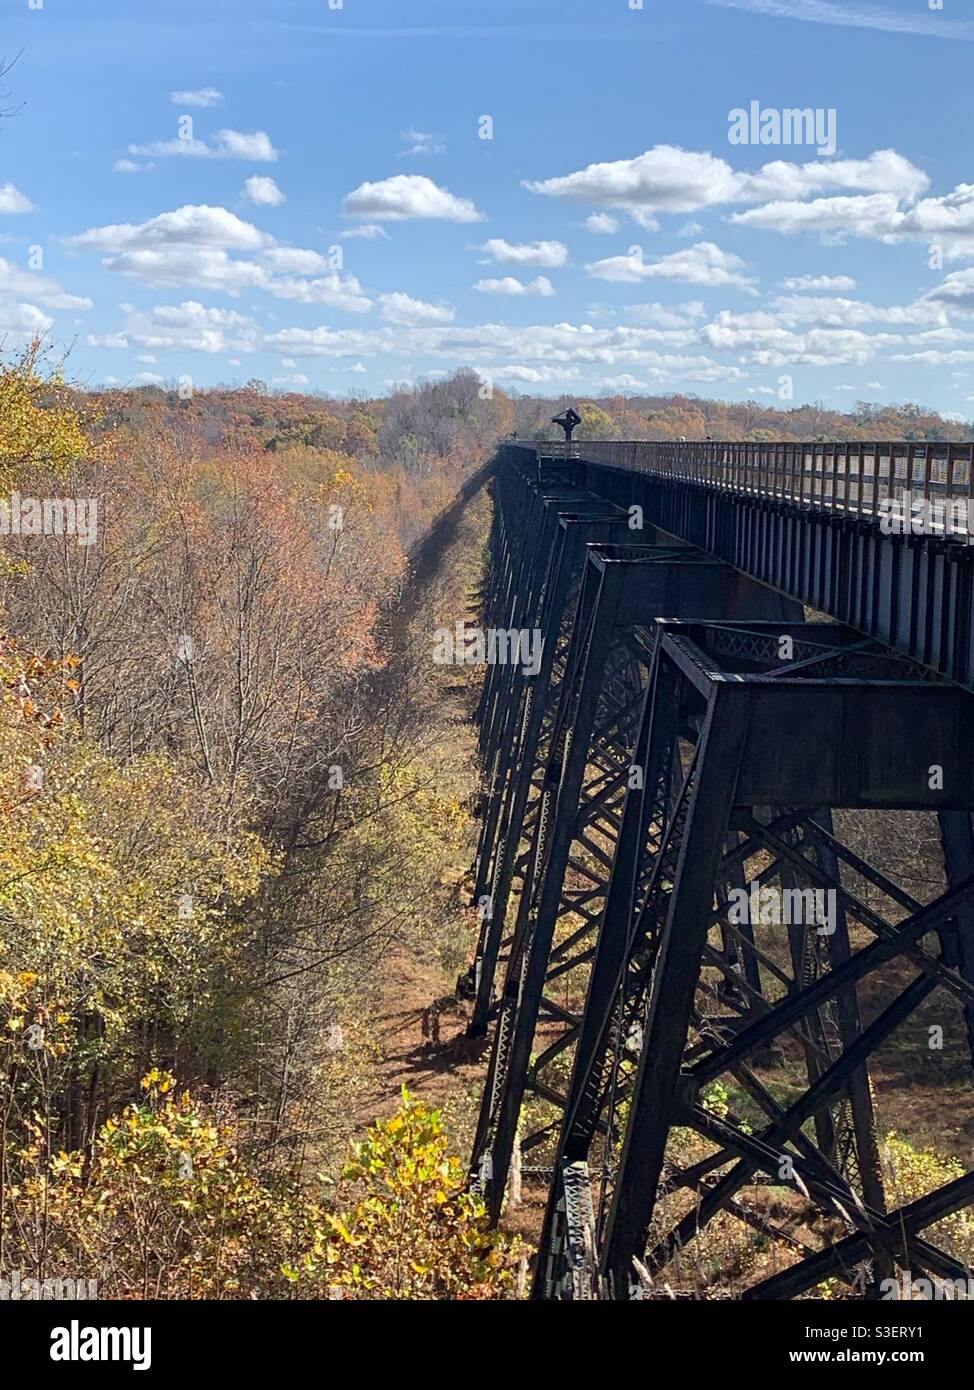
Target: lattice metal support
[
  {"x": 576, "y": 826},
  {"x": 541, "y": 529},
  {"x": 519, "y": 754},
  {"x": 768, "y": 745}
]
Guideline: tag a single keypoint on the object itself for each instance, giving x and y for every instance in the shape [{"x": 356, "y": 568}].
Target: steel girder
[
  {"x": 767, "y": 748},
  {"x": 913, "y": 592},
  {"x": 577, "y": 816}
]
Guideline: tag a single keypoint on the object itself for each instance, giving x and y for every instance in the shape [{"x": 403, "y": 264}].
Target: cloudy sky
[{"x": 345, "y": 194}]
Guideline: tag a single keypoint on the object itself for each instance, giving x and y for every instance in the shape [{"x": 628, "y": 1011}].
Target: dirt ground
[{"x": 421, "y": 1036}]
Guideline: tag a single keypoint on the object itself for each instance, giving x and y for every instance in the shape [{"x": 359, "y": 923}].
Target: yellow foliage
[
  {"x": 415, "y": 1231},
  {"x": 167, "y": 1206},
  {"x": 40, "y": 424},
  {"x": 911, "y": 1173}
]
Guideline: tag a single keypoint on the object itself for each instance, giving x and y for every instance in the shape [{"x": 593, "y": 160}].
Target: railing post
[{"x": 949, "y": 495}]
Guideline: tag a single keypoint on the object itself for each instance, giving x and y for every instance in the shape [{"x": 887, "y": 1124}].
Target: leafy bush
[
  {"x": 166, "y": 1205},
  {"x": 911, "y": 1173},
  {"x": 414, "y": 1231}
]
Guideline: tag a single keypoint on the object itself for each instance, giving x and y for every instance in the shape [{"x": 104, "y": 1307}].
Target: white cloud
[
  {"x": 601, "y": 222},
  {"x": 191, "y": 247},
  {"x": 403, "y": 309},
  {"x": 21, "y": 322},
  {"x": 191, "y": 225},
  {"x": 885, "y": 171},
  {"x": 532, "y": 354},
  {"x": 934, "y": 358},
  {"x": 21, "y": 294},
  {"x": 203, "y": 96},
  {"x": 187, "y": 327},
  {"x": 407, "y": 196},
  {"x": 664, "y": 179},
  {"x": 547, "y": 254},
  {"x": 567, "y": 343},
  {"x": 130, "y": 166},
  {"x": 938, "y": 336},
  {"x": 13, "y": 201},
  {"x": 854, "y": 16},
  {"x": 764, "y": 341},
  {"x": 548, "y": 346},
  {"x": 232, "y": 144},
  {"x": 420, "y": 142},
  {"x": 189, "y": 265},
  {"x": 819, "y": 282},
  {"x": 263, "y": 191},
  {"x": 533, "y": 376},
  {"x": 294, "y": 260},
  {"x": 629, "y": 269},
  {"x": 329, "y": 342},
  {"x": 227, "y": 144},
  {"x": 956, "y": 292},
  {"x": 666, "y": 316},
  {"x": 670, "y": 179},
  {"x": 338, "y": 291},
  {"x": 852, "y": 313},
  {"x": 701, "y": 264},
  {"x": 369, "y": 231},
  {"x": 510, "y": 285},
  {"x": 874, "y": 215},
  {"x": 14, "y": 281},
  {"x": 625, "y": 382},
  {"x": 948, "y": 219}
]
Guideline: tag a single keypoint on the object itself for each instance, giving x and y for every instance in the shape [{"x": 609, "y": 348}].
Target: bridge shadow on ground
[{"x": 421, "y": 1037}]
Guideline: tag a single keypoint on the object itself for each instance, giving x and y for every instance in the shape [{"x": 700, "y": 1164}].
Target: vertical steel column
[
  {"x": 524, "y": 982},
  {"x": 655, "y": 1094}
]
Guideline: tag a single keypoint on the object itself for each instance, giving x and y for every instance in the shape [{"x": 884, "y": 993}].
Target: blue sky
[{"x": 332, "y": 220}]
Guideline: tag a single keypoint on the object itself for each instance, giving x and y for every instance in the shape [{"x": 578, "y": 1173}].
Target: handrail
[
  {"x": 920, "y": 489},
  {"x": 554, "y": 449}
]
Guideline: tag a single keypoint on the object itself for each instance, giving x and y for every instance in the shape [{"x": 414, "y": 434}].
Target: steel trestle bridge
[{"x": 690, "y": 734}]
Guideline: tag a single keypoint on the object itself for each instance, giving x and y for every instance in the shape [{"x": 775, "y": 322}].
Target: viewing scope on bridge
[
  {"x": 569, "y": 420},
  {"x": 560, "y": 450}
]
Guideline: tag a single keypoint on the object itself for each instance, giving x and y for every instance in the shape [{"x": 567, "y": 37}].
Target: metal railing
[
  {"x": 926, "y": 489},
  {"x": 557, "y": 450}
]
